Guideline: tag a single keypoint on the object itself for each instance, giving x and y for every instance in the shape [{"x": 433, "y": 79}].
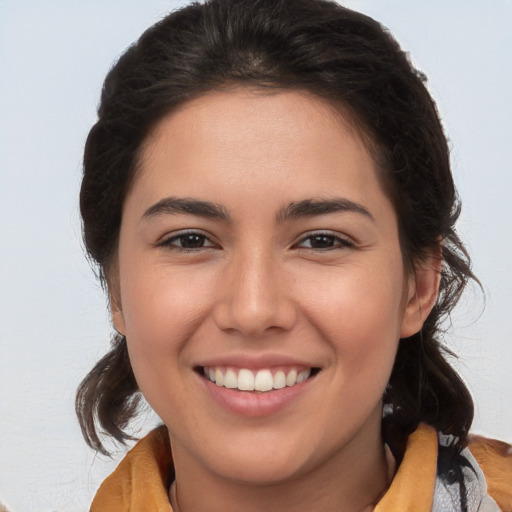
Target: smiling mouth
[{"x": 262, "y": 380}]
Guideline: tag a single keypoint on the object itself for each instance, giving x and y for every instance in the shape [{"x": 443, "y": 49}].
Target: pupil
[
  {"x": 321, "y": 241},
  {"x": 192, "y": 241}
]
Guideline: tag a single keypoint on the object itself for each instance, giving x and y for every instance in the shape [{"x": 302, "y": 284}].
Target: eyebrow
[
  {"x": 314, "y": 207},
  {"x": 173, "y": 205},
  {"x": 294, "y": 210}
]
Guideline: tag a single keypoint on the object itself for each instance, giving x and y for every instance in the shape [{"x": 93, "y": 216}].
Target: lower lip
[{"x": 252, "y": 403}]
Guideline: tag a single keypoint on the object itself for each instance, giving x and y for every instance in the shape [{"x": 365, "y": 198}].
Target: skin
[{"x": 258, "y": 283}]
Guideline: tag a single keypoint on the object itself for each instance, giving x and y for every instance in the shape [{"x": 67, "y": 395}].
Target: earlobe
[
  {"x": 117, "y": 313},
  {"x": 422, "y": 292},
  {"x": 114, "y": 296},
  {"x": 118, "y": 321}
]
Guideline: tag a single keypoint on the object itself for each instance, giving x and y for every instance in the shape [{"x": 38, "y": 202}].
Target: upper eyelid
[
  {"x": 324, "y": 232},
  {"x": 184, "y": 232},
  {"x": 213, "y": 240}
]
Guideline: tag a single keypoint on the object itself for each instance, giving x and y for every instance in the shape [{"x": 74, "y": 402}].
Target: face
[{"x": 261, "y": 286}]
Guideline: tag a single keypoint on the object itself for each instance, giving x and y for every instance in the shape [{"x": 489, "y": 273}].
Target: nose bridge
[{"x": 255, "y": 298}]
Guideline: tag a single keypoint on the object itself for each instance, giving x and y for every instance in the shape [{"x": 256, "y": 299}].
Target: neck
[{"x": 352, "y": 479}]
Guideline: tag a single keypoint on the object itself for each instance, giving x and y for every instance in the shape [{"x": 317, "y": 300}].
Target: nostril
[{"x": 254, "y": 307}]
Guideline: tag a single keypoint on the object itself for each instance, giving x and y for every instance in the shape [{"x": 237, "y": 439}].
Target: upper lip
[{"x": 255, "y": 362}]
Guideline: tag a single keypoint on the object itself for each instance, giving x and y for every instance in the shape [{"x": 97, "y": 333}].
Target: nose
[{"x": 254, "y": 298}]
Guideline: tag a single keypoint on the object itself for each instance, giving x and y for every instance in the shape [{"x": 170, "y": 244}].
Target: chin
[
  {"x": 261, "y": 472},
  {"x": 261, "y": 460}
]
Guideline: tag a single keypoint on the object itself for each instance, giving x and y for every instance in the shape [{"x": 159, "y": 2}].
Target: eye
[
  {"x": 324, "y": 241},
  {"x": 187, "y": 241}
]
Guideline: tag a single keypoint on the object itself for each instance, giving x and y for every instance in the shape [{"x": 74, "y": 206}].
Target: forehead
[
  {"x": 254, "y": 121},
  {"x": 223, "y": 142},
  {"x": 253, "y": 111}
]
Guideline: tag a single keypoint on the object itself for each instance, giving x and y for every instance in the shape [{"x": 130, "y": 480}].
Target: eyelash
[
  {"x": 337, "y": 242},
  {"x": 171, "y": 241}
]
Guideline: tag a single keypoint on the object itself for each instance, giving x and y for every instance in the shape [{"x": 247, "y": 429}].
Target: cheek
[
  {"x": 160, "y": 316},
  {"x": 359, "y": 314},
  {"x": 361, "y": 303},
  {"x": 154, "y": 298},
  {"x": 365, "y": 345},
  {"x": 364, "y": 337},
  {"x": 161, "y": 312}
]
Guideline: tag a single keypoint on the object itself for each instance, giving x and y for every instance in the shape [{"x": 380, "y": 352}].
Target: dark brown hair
[{"x": 330, "y": 51}]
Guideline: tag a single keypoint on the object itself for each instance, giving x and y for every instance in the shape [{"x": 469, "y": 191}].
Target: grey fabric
[{"x": 450, "y": 495}]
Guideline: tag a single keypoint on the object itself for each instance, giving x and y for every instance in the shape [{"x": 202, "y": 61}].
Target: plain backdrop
[{"x": 53, "y": 322}]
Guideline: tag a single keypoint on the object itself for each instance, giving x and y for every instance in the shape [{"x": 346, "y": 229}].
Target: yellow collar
[{"x": 141, "y": 481}]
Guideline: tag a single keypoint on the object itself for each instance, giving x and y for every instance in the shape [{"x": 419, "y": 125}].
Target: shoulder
[
  {"x": 495, "y": 459},
  {"x": 140, "y": 481},
  {"x": 479, "y": 479}
]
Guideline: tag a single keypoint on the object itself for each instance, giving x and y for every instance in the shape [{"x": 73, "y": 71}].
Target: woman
[{"x": 267, "y": 194}]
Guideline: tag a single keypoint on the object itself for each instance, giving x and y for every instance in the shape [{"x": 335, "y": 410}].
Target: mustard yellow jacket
[{"x": 140, "y": 482}]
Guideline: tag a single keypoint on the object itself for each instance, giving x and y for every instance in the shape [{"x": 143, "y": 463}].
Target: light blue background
[{"x": 53, "y": 324}]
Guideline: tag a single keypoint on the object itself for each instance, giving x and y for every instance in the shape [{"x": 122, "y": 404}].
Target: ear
[
  {"x": 117, "y": 316},
  {"x": 423, "y": 288},
  {"x": 114, "y": 296}
]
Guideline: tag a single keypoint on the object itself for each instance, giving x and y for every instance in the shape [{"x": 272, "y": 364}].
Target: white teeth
[
  {"x": 245, "y": 380},
  {"x": 219, "y": 378},
  {"x": 291, "y": 378},
  {"x": 279, "y": 380},
  {"x": 303, "y": 376},
  {"x": 262, "y": 381},
  {"x": 230, "y": 380}
]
